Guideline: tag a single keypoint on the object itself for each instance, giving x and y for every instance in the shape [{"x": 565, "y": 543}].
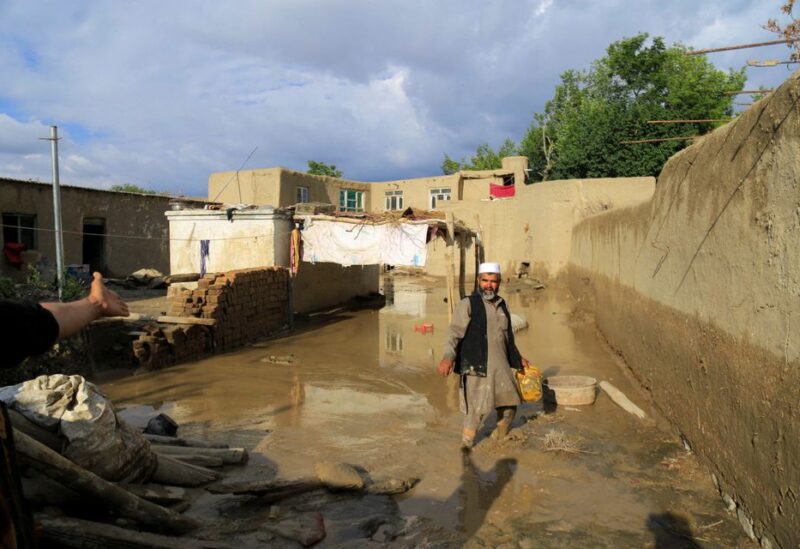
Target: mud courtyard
[{"x": 360, "y": 387}]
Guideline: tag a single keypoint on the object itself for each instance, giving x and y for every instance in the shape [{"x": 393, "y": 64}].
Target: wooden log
[
  {"x": 269, "y": 490},
  {"x": 132, "y": 317},
  {"x": 391, "y": 486},
  {"x": 230, "y": 456},
  {"x": 186, "y": 320},
  {"x": 621, "y": 400},
  {"x": 72, "y": 532},
  {"x": 157, "y": 493},
  {"x": 176, "y": 473},
  {"x": 36, "y": 432},
  {"x": 59, "y": 468},
  {"x": 178, "y": 441},
  {"x": 182, "y": 277},
  {"x": 200, "y": 460}
]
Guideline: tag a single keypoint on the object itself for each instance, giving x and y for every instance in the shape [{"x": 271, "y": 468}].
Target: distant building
[{"x": 115, "y": 233}]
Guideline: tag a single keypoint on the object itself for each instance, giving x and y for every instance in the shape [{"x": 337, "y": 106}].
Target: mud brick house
[{"x": 115, "y": 233}]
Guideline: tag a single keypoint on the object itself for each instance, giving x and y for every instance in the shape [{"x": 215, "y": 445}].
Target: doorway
[{"x": 94, "y": 243}]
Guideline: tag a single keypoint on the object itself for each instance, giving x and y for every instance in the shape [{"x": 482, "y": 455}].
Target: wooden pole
[
  {"x": 72, "y": 532},
  {"x": 742, "y": 46},
  {"x": 747, "y": 92},
  {"x": 658, "y": 139},
  {"x": 229, "y": 456},
  {"x": 690, "y": 121},
  {"x": 462, "y": 267},
  {"x": 63, "y": 471},
  {"x": 451, "y": 275},
  {"x": 479, "y": 256}
]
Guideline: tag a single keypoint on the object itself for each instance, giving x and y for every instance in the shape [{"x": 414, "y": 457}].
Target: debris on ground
[
  {"x": 558, "y": 441},
  {"x": 82, "y": 461},
  {"x": 272, "y": 359},
  {"x": 149, "y": 278}
]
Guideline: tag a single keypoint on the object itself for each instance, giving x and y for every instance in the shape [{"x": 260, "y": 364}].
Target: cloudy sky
[{"x": 160, "y": 94}]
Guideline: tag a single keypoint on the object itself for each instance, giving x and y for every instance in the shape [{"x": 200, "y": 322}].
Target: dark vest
[{"x": 472, "y": 352}]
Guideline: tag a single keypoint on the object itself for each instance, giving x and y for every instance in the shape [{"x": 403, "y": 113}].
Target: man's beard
[{"x": 488, "y": 295}]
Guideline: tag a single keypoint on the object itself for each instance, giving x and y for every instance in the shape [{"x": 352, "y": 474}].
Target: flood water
[{"x": 362, "y": 389}]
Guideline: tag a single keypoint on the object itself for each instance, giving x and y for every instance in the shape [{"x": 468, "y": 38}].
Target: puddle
[{"x": 362, "y": 389}]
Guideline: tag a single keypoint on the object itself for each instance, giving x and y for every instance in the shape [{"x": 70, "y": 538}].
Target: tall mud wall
[{"x": 698, "y": 290}]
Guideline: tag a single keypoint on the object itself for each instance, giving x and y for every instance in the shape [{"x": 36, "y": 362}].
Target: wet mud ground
[{"x": 362, "y": 389}]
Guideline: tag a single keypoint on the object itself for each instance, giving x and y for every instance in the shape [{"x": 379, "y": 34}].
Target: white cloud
[
  {"x": 161, "y": 94},
  {"x": 541, "y": 9}
]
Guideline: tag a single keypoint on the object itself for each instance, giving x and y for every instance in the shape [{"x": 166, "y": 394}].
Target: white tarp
[
  {"x": 363, "y": 244},
  {"x": 85, "y": 419}
]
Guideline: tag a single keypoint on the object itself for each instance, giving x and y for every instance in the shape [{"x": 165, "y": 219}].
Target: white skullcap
[{"x": 489, "y": 268}]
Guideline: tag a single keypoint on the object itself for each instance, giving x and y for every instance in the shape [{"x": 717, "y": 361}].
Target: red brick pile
[
  {"x": 246, "y": 305},
  {"x": 165, "y": 344}
]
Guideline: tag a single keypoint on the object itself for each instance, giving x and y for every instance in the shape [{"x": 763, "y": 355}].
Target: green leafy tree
[
  {"x": 320, "y": 168},
  {"x": 131, "y": 188},
  {"x": 579, "y": 133},
  {"x": 485, "y": 158}
]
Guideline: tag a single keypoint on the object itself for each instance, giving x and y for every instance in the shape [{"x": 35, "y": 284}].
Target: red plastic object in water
[{"x": 423, "y": 328}]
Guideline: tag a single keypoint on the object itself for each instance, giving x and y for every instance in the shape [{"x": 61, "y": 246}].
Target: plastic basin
[{"x": 570, "y": 390}]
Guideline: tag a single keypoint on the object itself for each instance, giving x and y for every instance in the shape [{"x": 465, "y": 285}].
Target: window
[
  {"x": 394, "y": 200},
  {"x": 302, "y": 195},
  {"x": 438, "y": 195},
  {"x": 351, "y": 200},
  {"x": 19, "y": 228}
]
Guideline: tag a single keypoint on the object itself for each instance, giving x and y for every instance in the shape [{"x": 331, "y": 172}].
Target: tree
[
  {"x": 791, "y": 32},
  {"x": 485, "y": 158},
  {"x": 131, "y": 188},
  {"x": 320, "y": 168},
  {"x": 579, "y": 133}
]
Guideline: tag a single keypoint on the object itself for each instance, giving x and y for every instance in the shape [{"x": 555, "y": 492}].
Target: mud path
[{"x": 361, "y": 388}]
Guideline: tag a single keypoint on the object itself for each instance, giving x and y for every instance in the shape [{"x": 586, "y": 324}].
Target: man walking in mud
[{"x": 480, "y": 348}]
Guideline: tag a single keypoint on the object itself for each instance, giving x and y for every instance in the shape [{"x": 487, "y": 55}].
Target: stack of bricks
[
  {"x": 247, "y": 304},
  {"x": 161, "y": 345}
]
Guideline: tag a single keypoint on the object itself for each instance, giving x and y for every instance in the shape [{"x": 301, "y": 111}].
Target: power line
[
  {"x": 137, "y": 237},
  {"x": 235, "y": 175}
]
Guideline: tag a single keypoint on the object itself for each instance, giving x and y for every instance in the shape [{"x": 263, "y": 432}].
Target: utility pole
[{"x": 57, "y": 209}]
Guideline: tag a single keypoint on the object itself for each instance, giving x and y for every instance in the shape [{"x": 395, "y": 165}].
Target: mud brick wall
[{"x": 246, "y": 304}]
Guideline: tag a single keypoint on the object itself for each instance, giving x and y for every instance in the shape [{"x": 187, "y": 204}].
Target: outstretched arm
[{"x": 100, "y": 302}]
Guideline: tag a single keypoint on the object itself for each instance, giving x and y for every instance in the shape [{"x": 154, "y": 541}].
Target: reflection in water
[
  {"x": 407, "y": 298},
  {"x": 394, "y": 340},
  {"x": 478, "y": 490}
]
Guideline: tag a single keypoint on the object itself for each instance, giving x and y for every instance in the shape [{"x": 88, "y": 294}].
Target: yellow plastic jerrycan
[{"x": 530, "y": 383}]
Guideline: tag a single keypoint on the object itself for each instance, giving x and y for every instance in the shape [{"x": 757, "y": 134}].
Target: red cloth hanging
[
  {"x": 13, "y": 252},
  {"x": 501, "y": 191}
]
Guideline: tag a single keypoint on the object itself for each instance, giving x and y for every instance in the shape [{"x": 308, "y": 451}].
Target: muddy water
[{"x": 361, "y": 388}]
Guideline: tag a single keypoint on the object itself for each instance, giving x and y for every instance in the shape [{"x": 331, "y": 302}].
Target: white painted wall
[{"x": 255, "y": 238}]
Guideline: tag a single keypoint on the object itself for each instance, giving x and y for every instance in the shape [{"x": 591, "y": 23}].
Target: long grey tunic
[{"x": 483, "y": 394}]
